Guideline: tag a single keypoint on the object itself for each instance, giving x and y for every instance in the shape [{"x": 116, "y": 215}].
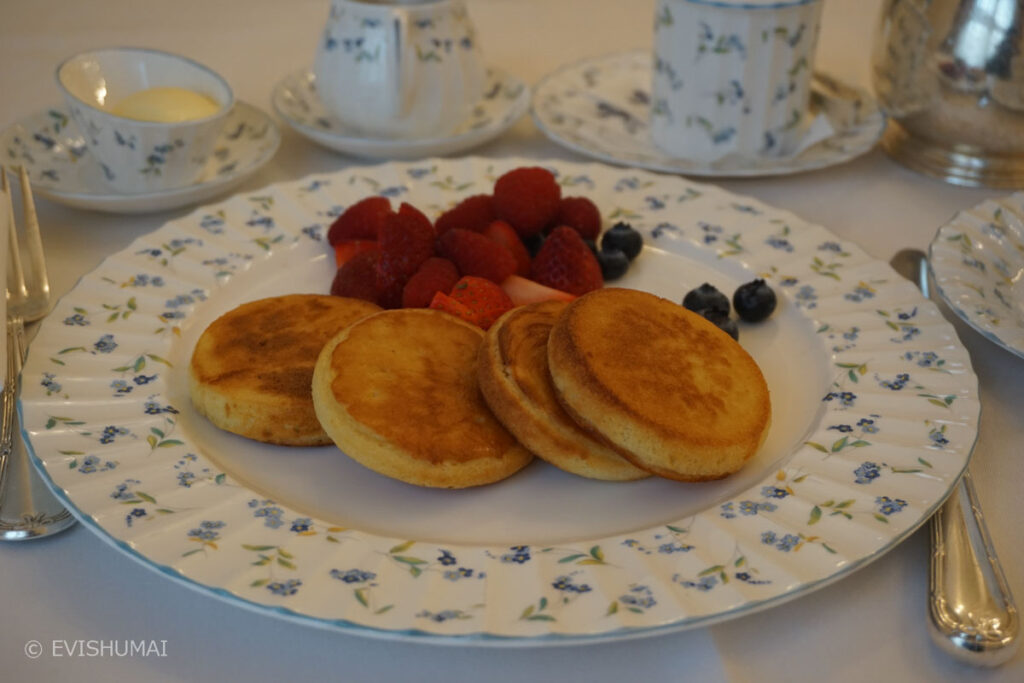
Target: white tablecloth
[{"x": 868, "y": 626}]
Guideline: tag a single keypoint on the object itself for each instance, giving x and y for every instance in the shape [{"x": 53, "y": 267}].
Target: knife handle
[{"x": 973, "y": 616}]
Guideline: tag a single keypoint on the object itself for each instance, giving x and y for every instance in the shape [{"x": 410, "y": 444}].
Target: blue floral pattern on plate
[{"x": 873, "y": 463}]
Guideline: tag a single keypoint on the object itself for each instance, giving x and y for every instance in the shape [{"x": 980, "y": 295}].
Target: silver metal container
[{"x": 950, "y": 75}]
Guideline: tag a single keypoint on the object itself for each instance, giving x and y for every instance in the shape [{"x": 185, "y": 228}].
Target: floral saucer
[
  {"x": 600, "y": 107},
  {"x": 505, "y": 100},
  {"x": 51, "y": 148},
  {"x": 978, "y": 263}
]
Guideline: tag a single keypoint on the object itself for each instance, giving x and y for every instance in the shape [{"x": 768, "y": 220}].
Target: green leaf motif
[{"x": 815, "y": 515}]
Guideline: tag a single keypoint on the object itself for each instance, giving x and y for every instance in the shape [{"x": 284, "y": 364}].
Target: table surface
[{"x": 870, "y": 625}]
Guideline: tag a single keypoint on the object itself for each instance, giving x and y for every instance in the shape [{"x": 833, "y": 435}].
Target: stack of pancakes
[{"x": 617, "y": 385}]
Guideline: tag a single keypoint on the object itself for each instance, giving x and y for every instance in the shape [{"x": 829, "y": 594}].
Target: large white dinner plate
[
  {"x": 875, "y": 411},
  {"x": 978, "y": 262}
]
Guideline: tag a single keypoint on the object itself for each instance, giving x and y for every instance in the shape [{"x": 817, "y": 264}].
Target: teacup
[
  {"x": 732, "y": 76},
  {"x": 136, "y": 155},
  {"x": 399, "y": 69}
]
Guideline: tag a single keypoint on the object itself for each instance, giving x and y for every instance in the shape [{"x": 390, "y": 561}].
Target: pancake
[
  {"x": 513, "y": 376},
  {"x": 663, "y": 386},
  {"x": 397, "y": 392},
  {"x": 252, "y": 368}
]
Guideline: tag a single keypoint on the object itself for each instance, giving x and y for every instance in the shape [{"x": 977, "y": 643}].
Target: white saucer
[
  {"x": 505, "y": 100},
  {"x": 53, "y": 151},
  {"x": 600, "y": 107}
]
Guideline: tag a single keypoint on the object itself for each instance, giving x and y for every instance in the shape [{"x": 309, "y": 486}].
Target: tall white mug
[{"x": 400, "y": 68}]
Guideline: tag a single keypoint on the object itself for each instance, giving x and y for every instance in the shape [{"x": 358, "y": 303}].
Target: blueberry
[
  {"x": 533, "y": 243},
  {"x": 614, "y": 263},
  {"x": 722, "y": 321},
  {"x": 754, "y": 301},
  {"x": 623, "y": 236},
  {"x": 706, "y": 297}
]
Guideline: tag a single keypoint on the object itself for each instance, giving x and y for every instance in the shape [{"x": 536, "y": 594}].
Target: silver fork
[{"x": 28, "y": 509}]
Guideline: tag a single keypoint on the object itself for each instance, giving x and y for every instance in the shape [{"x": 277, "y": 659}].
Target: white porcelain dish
[
  {"x": 601, "y": 107},
  {"x": 505, "y": 100},
  {"x": 875, "y": 414},
  {"x": 52, "y": 149},
  {"x": 978, "y": 263}
]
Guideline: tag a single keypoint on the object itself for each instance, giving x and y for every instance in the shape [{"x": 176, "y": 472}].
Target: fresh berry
[
  {"x": 473, "y": 213},
  {"x": 527, "y": 198},
  {"x": 344, "y": 250},
  {"x": 358, "y": 277},
  {"x": 566, "y": 263},
  {"x": 533, "y": 243},
  {"x": 623, "y": 236},
  {"x": 580, "y": 214},
  {"x": 435, "y": 275},
  {"x": 523, "y": 291},
  {"x": 707, "y": 298},
  {"x": 406, "y": 241},
  {"x": 754, "y": 301},
  {"x": 722, "y": 321},
  {"x": 614, "y": 263},
  {"x": 474, "y": 254},
  {"x": 443, "y": 302},
  {"x": 505, "y": 235},
  {"x": 486, "y": 300},
  {"x": 592, "y": 246},
  {"x": 361, "y": 221}
]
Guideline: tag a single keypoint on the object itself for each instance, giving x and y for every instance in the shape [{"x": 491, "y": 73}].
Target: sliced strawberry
[
  {"x": 527, "y": 198},
  {"x": 523, "y": 291},
  {"x": 443, "y": 302},
  {"x": 406, "y": 241},
  {"x": 580, "y": 214},
  {"x": 485, "y": 299},
  {"x": 474, "y": 254},
  {"x": 358, "y": 277},
  {"x": 361, "y": 221},
  {"x": 472, "y": 213},
  {"x": 565, "y": 262},
  {"x": 435, "y": 275},
  {"x": 505, "y": 235},
  {"x": 344, "y": 250}
]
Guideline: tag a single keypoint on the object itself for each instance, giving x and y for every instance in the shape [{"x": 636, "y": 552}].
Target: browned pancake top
[
  {"x": 523, "y": 345},
  {"x": 665, "y": 366},
  {"x": 271, "y": 345},
  {"x": 410, "y": 376}
]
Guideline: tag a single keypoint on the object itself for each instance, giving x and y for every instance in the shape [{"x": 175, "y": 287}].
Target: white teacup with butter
[
  {"x": 408, "y": 69},
  {"x": 150, "y": 118}
]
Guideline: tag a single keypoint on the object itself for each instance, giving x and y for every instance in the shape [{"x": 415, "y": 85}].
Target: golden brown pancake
[
  {"x": 513, "y": 375},
  {"x": 665, "y": 387},
  {"x": 252, "y": 368},
  {"x": 397, "y": 392}
]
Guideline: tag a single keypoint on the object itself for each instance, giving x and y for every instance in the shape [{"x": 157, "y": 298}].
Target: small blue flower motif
[
  {"x": 456, "y": 574},
  {"x": 564, "y": 583},
  {"x": 845, "y": 398},
  {"x": 654, "y": 204},
  {"x": 675, "y": 547},
  {"x": 787, "y": 542},
  {"x": 768, "y": 537},
  {"x": 938, "y": 437},
  {"x": 711, "y": 232},
  {"x": 866, "y": 473},
  {"x": 186, "y": 479},
  {"x": 520, "y": 554},
  {"x": 896, "y": 384},
  {"x": 352, "y": 575},
  {"x": 105, "y": 344},
  {"x": 905, "y": 315},
  {"x": 393, "y": 191},
  {"x": 92, "y": 464},
  {"x": 446, "y": 558},
  {"x": 703, "y": 584},
  {"x": 746, "y": 577},
  {"x": 788, "y": 281},
  {"x": 867, "y": 425},
  {"x": 289, "y": 587},
  {"x": 728, "y": 510},
  {"x": 909, "y": 332},
  {"x": 76, "y": 319},
  {"x": 781, "y": 243},
  {"x": 842, "y": 429},
  {"x": 143, "y": 379},
  {"x": 807, "y": 297},
  {"x": 120, "y": 386},
  {"x": 638, "y": 597},
  {"x": 443, "y": 615},
  {"x": 851, "y": 334},
  {"x": 860, "y": 293},
  {"x": 748, "y": 507},
  {"x": 313, "y": 232},
  {"x": 136, "y": 513},
  {"x": 111, "y": 432},
  {"x": 774, "y": 492},
  {"x": 889, "y": 506},
  {"x": 417, "y": 173},
  {"x": 830, "y": 246},
  {"x": 122, "y": 491},
  {"x": 270, "y": 512},
  {"x": 630, "y": 183},
  {"x": 50, "y": 382},
  {"x": 302, "y": 524},
  {"x": 207, "y": 530},
  {"x": 180, "y": 243}
]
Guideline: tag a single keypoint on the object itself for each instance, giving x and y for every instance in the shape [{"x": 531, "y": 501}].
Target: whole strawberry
[
  {"x": 475, "y": 254},
  {"x": 527, "y": 198},
  {"x": 472, "y": 213},
  {"x": 565, "y": 262},
  {"x": 406, "y": 241},
  {"x": 581, "y": 214},
  {"x": 360, "y": 221}
]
